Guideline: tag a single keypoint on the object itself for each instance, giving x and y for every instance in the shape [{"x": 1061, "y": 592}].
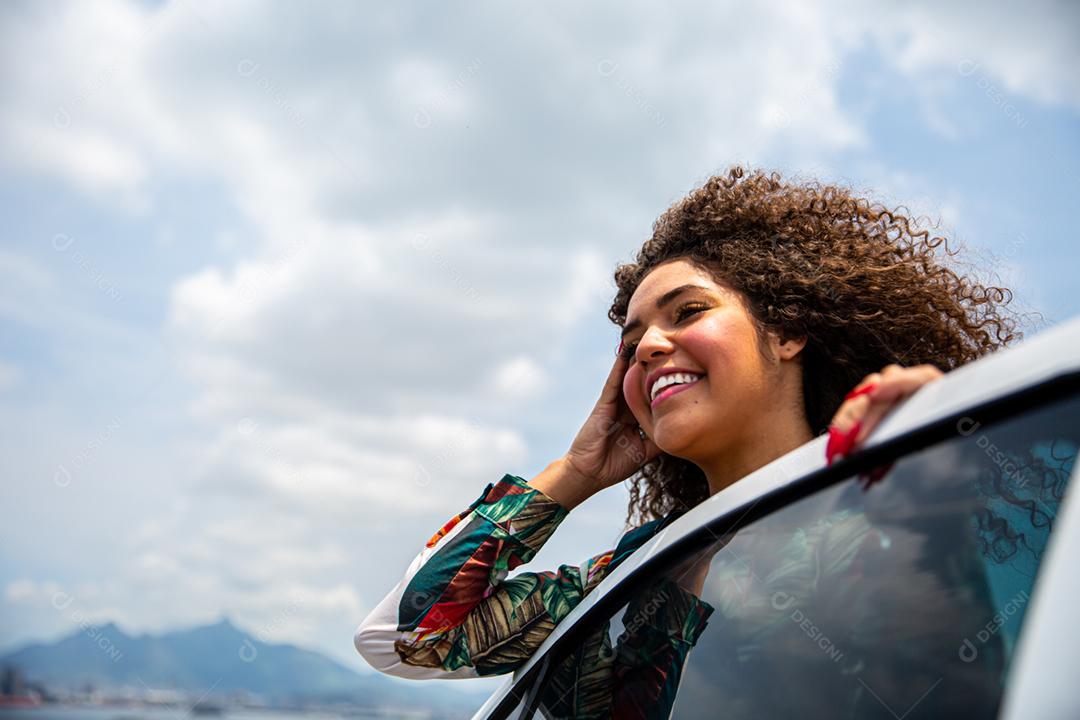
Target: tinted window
[{"x": 903, "y": 600}]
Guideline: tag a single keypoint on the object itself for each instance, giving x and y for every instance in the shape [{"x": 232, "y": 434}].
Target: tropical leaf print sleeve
[{"x": 454, "y": 614}]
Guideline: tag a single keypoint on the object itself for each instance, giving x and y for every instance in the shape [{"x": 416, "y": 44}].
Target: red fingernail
[
  {"x": 851, "y": 435},
  {"x": 841, "y": 441},
  {"x": 835, "y": 437},
  {"x": 618, "y": 350},
  {"x": 864, "y": 390}
]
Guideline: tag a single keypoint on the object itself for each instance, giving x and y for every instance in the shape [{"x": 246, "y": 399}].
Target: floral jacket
[{"x": 456, "y": 615}]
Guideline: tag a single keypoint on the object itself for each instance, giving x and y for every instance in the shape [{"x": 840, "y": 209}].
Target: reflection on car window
[
  {"x": 902, "y": 601},
  {"x": 638, "y": 672}
]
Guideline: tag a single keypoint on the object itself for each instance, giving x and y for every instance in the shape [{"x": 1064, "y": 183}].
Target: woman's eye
[
  {"x": 687, "y": 310},
  {"x": 628, "y": 350}
]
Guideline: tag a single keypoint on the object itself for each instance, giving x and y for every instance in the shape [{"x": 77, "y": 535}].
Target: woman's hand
[
  {"x": 873, "y": 398},
  {"x": 608, "y": 449}
]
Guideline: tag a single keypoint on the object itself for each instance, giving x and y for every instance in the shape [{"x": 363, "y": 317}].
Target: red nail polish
[
  {"x": 851, "y": 435},
  {"x": 841, "y": 441},
  {"x": 835, "y": 437},
  {"x": 836, "y": 440},
  {"x": 864, "y": 390}
]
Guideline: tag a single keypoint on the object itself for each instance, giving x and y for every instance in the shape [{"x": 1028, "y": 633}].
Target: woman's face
[{"x": 680, "y": 318}]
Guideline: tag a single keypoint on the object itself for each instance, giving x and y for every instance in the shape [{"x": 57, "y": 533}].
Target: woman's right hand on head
[{"x": 608, "y": 449}]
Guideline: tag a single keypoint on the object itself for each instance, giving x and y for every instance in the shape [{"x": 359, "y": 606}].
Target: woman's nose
[{"x": 654, "y": 342}]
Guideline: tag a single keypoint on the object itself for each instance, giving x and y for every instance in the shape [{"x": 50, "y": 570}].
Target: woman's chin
[{"x": 674, "y": 438}]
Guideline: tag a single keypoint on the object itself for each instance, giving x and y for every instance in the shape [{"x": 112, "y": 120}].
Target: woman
[{"x": 746, "y": 317}]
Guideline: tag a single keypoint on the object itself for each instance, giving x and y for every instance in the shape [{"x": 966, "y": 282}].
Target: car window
[{"x": 901, "y": 600}]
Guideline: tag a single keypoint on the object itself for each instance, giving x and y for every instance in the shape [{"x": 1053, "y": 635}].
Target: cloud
[
  {"x": 1032, "y": 53},
  {"x": 356, "y": 469}
]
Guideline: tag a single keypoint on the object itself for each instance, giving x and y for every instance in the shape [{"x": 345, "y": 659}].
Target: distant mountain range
[{"x": 218, "y": 660}]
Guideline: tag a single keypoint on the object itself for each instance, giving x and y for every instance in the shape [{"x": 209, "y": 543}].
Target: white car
[{"x": 944, "y": 588}]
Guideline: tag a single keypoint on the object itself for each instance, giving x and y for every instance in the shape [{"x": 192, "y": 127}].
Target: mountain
[{"x": 218, "y": 660}]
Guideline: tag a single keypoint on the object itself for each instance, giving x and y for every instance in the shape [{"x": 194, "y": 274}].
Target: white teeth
[{"x": 671, "y": 379}]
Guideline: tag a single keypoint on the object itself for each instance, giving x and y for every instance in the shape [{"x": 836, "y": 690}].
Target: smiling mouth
[{"x": 672, "y": 390}]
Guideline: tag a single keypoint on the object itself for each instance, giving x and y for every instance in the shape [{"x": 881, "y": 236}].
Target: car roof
[{"x": 1050, "y": 354}]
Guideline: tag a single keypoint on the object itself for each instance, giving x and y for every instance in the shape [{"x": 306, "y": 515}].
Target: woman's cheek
[
  {"x": 701, "y": 338},
  {"x": 631, "y": 393}
]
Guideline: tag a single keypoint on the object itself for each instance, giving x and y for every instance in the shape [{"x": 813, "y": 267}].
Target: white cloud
[
  {"x": 96, "y": 164},
  {"x": 520, "y": 377},
  {"x": 1034, "y": 53},
  {"x": 27, "y": 590}
]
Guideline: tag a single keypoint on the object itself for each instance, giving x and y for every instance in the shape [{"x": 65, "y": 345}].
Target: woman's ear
[{"x": 788, "y": 348}]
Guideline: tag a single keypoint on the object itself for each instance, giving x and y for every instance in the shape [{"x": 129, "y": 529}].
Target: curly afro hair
[{"x": 865, "y": 285}]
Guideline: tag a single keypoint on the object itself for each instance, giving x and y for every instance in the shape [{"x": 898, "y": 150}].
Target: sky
[{"x": 284, "y": 286}]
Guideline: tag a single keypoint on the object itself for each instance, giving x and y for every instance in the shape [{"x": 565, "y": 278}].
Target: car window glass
[{"x": 902, "y": 600}]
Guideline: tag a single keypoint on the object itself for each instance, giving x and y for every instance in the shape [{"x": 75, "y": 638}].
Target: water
[{"x": 96, "y": 712}]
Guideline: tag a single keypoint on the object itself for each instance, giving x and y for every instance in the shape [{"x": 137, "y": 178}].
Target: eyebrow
[{"x": 660, "y": 303}]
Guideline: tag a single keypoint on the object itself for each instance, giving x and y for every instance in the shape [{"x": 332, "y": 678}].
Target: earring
[{"x": 641, "y": 432}]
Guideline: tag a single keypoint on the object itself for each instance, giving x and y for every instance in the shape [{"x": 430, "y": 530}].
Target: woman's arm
[{"x": 454, "y": 614}]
